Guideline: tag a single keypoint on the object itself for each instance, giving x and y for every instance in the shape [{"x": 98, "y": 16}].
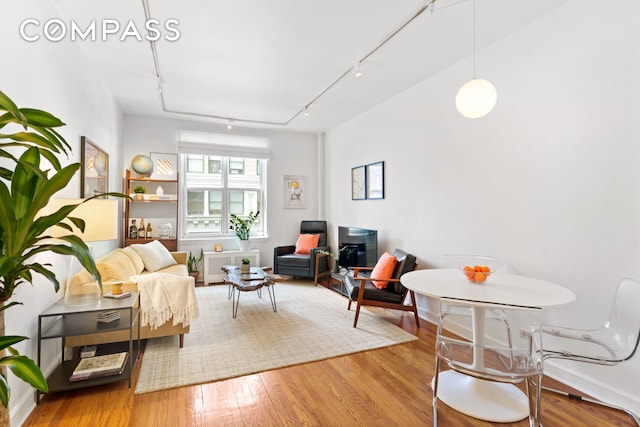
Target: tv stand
[{"x": 337, "y": 283}]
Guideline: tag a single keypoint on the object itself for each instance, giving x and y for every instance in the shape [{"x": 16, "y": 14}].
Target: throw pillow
[
  {"x": 135, "y": 258},
  {"x": 154, "y": 255},
  {"x": 306, "y": 242},
  {"x": 115, "y": 266},
  {"x": 384, "y": 270}
]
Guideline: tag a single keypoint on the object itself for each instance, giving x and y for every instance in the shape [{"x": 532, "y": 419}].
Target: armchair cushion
[
  {"x": 383, "y": 270},
  {"x": 305, "y": 243}
]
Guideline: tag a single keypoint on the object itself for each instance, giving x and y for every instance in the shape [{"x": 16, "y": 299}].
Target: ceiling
[{"x": 260, "y": 63}]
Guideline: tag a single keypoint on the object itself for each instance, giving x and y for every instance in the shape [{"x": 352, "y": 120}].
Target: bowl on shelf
[{"x": 476, "y": 273}]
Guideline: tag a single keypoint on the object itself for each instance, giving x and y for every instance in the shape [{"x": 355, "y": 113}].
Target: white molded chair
[
  {"x": 487, "y": 358},
  {"x": 614, "y": 342}
]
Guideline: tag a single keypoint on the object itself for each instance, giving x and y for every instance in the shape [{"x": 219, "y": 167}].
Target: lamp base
[{"x": 87, "y": 294}]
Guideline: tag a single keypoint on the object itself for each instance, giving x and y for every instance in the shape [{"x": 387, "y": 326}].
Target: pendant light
[{"x": 477, "y": 97}]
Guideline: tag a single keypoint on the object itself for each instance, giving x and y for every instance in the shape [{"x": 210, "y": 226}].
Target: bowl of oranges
[{"x": 476, "y": 273}]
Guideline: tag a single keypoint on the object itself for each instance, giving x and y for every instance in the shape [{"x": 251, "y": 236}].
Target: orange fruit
[
  {"x": 485, "y": 269},
  {"x": 477, "y": 268},
  {"x": 480, "y": 277}
]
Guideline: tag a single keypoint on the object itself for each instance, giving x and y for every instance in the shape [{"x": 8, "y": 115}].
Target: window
[{"x": 215, "y": 187}]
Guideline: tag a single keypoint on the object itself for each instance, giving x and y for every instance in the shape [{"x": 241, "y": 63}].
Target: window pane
[
  {"x": 243, "y": 202},
  {"x": 215, "y": 165},
  {"x": 195, "y": 202},
  {"x": 195, "y": 164},
  {"x": 249, "y": 176}
]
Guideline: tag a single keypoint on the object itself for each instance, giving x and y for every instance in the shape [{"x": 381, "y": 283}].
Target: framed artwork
[
  {"x": 375, "y": 180},
  {"x": 295, "y": 187},
  {"x": 358, "y": 183},
  {"x": 165, "y": 166},
  {"x": 94, "y": 172}
]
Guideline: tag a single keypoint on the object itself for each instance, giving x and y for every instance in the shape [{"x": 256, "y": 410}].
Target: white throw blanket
[{"x": 165, "y": 295}]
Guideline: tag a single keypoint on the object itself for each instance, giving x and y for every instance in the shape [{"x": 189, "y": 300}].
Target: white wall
[
  {"x": 292, "y": 153},
  {"x": 548, "y": 181},
  {"x": 54, "y": 77}
]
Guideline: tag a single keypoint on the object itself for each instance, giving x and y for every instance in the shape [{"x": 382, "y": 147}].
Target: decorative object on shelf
[
  {"x": 375, "y": 180},
  {"x": 133, "y": 230},
  {"x": 159, "y": 190},
  {"x": 94, "y": 179},
  {"x": 358, "y": 183},
  {"x": 295, "y": 191},
  {"x": 242, "y": 227},
  {"x": 245, "y": 267},
  {"x": 139, "y": 191},
  {"x": 165, "y": 166},
  {"x": 164, "y": 230},
  {"x": 217, "y": 248},
  {"x": 142, "y": 165},
  {"x": 193, "y": 265},
  {"x": 477, "y": 97}
]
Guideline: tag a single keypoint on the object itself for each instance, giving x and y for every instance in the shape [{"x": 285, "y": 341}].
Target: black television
[{"x": 358, "y": 247}]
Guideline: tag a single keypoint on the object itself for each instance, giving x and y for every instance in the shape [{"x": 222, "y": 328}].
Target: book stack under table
[{"x": 100, "y": 366}]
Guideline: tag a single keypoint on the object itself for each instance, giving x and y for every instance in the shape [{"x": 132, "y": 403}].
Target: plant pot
[
  {"x": 245, "y": 268},
  {"x": 195, "y": 275},
  {"x": 245, "y": 245},
  {"x": 138, "y": 196}
]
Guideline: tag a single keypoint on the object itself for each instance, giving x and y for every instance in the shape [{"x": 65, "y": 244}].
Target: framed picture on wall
[
  {"x": 375, "y": 180},
  {"x": 295, "y": 188},
  {"x": 94, "y": 172},
  {"x": 358, "y": 183},
  {"x": 165, "y": 166}
]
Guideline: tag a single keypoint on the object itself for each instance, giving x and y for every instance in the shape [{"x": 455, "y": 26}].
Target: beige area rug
[{"x": 312, "y": 323}]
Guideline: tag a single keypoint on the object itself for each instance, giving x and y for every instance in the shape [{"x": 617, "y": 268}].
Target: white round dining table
[{"x": 486, "y": 400}]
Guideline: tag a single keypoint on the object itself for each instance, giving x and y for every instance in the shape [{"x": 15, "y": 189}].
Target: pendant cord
[{"x": 474, "y": 39}]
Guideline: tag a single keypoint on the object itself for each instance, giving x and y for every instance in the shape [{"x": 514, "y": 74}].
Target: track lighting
[
  {"x": 229, "y": 124},
  {"x": 358, "y": 70},
  {"x": 306, "y": 111}
]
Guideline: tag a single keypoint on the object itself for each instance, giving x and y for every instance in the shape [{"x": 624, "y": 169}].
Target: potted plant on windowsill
[
  {"x": 242, "y": 228},
  {"x": 193, "y": 265},
  {"x": 245, "y": 268}
]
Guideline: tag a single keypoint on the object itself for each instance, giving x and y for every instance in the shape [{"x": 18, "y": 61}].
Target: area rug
[{"x": 312, "y": 323}]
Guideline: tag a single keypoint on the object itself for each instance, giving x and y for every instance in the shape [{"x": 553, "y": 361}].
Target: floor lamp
[{"x": 101, "y": 223}]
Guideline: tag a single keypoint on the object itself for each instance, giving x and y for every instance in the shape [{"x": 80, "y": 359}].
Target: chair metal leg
[
  {"x": 593, "y": 401},
  {"x": 434, "y": 402}
]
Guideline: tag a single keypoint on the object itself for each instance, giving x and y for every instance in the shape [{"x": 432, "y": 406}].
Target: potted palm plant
[
  {"x": 193, "y": 265},
  {"x": 30, "y": 136},
  {"x": 242, "y": 228}
]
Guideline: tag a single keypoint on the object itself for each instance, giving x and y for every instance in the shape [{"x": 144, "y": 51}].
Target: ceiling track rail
[{"x": 156, "y": 63}]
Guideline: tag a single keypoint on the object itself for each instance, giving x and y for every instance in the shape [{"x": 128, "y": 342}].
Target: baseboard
[
  {"x": 22, "y": 408},
  {"x": 591, "y": 386}
]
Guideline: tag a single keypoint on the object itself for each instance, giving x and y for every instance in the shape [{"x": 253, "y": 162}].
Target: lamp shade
[
  {"x": 476, "y": 98},
  {"x": 100, "y": 218}
]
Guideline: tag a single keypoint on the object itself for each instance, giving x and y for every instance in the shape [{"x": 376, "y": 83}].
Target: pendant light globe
[{"x": 476, "y": 98}]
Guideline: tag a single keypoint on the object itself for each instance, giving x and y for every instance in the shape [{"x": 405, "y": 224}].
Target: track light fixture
[
  {"x": 306, "y": 111},
  {"x": 229, "y": 124},
  {"x": 358, "y": 70}
]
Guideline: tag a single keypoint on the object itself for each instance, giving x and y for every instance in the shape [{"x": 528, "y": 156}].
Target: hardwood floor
[{"x": 385, "y": 387}]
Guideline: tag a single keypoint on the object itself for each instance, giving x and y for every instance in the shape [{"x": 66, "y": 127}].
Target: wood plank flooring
[{"x": 384, "y": 387}]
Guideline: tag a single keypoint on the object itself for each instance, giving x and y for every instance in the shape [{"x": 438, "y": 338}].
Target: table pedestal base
[{"x": 485, "y": 400}]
